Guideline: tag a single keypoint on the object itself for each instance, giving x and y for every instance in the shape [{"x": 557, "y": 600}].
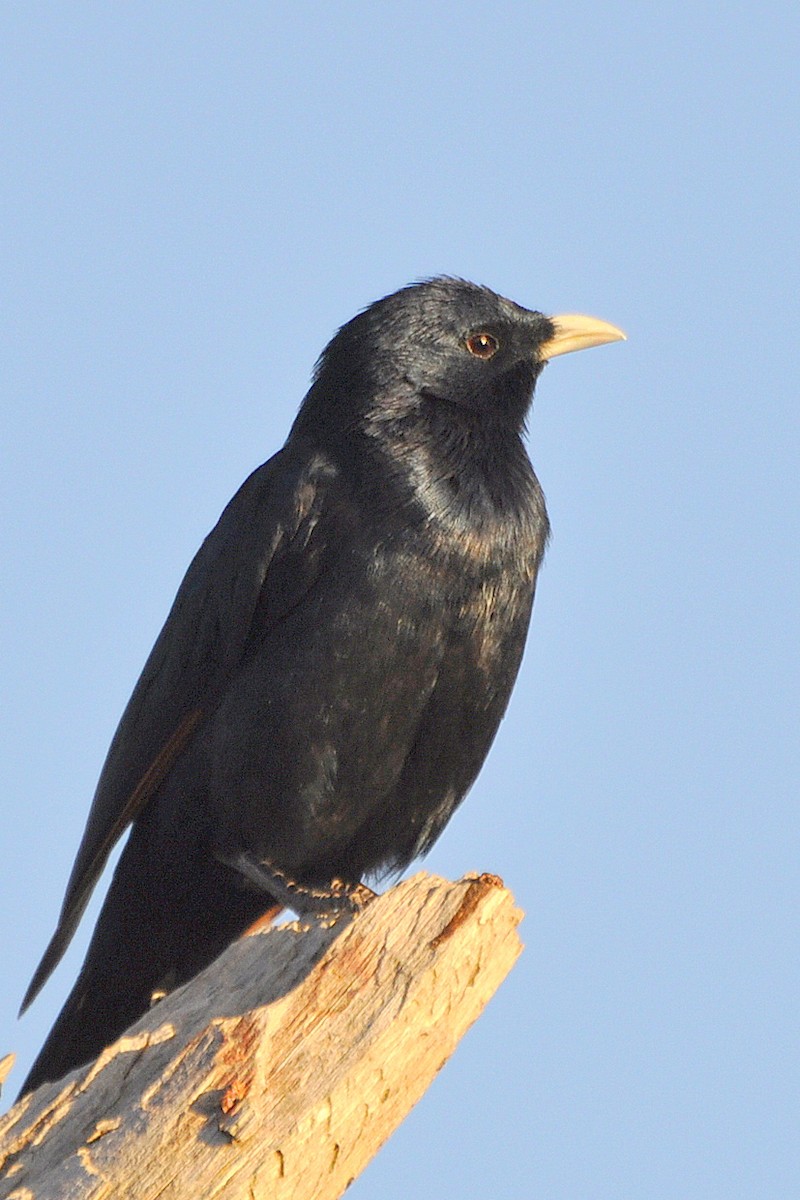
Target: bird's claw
[{"x": 338, "y": 897}]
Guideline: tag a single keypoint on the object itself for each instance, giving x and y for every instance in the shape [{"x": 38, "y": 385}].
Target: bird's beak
[{"x": 576, "y": 332}]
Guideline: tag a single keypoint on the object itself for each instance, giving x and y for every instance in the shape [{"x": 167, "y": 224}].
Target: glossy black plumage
[{"x": 337, "y": 660}]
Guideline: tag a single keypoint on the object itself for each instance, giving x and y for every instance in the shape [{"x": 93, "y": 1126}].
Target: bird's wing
[{"x": 205, "y": 638}]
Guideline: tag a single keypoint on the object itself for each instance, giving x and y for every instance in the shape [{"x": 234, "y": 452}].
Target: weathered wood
[{"x": 280, "y": 1070}]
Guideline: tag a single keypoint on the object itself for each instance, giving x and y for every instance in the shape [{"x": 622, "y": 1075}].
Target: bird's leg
[{"x": 338, "y": 897}]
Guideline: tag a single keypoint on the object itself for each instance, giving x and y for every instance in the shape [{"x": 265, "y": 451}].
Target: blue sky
[{"x": 194, "y": 197}]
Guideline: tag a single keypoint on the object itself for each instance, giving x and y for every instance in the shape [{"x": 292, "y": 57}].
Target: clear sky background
[{"x": 194, "y": 197}]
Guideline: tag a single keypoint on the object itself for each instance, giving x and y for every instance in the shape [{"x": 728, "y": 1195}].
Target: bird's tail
[{"x": 161, "y": 923}]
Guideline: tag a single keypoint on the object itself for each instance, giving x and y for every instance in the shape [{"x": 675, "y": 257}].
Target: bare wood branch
[
  {"x": 280, "y": 1070},
  {"x": 6, "y": 1063}
]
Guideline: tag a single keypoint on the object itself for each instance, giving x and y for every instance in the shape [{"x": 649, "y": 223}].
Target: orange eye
[{"x": 483, "y": 345}]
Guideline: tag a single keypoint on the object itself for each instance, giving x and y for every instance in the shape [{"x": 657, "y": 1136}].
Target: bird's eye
[{"x": 483, "y": 345}]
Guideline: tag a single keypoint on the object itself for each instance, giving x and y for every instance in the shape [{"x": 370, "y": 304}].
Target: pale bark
[{"x": 280, "y": 1070}]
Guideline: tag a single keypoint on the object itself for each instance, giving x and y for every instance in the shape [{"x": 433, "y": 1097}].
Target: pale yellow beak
[{"x": 576, "y": 332}]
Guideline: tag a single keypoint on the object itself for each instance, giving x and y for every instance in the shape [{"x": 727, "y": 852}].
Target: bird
[{"x": 336, "y": 662}]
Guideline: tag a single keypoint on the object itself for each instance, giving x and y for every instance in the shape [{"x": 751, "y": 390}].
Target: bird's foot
[{"x": 338, "y": 897}]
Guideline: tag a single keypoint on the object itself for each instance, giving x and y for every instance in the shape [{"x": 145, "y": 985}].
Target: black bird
[{"x": 337, "y": 659}]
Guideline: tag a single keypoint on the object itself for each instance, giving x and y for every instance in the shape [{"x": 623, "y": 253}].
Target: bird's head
[{"x": 452, "y": 341}]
